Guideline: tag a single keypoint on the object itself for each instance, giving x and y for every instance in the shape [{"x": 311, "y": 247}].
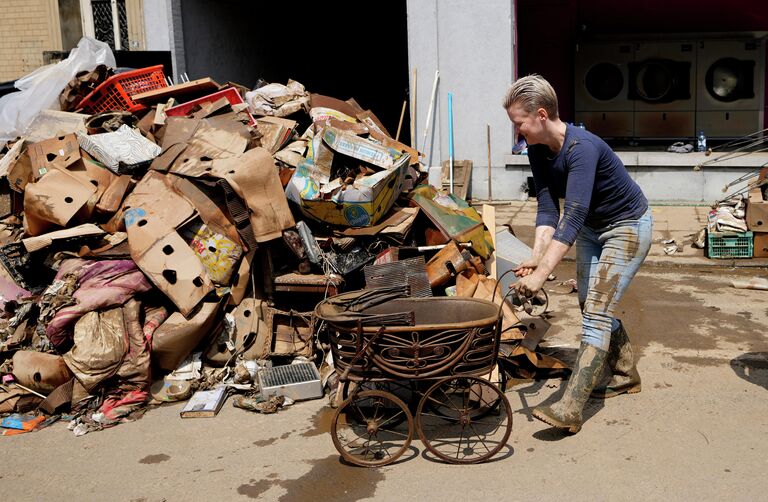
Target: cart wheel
[
  {"x": 497, "y": 380},
  {"x": 401, "y": 389},
  {"x": 464, "y": 420},
  {"x": 365, "y": 428}
]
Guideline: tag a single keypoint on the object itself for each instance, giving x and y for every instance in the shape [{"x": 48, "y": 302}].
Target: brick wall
[{"x": 27, "y": 28}]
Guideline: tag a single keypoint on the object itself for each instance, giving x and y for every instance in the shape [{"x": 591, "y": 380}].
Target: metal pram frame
[{"x": 416, "y": 364}]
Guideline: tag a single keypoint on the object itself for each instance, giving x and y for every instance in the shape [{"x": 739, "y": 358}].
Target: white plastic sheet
[{"x": 40, "y": 89}]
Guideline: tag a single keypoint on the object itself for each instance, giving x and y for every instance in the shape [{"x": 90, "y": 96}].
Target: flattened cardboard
[
  {"x": 50, "y": 123},
  {"x": 275, "y": 132},
  {"x": 253, "y": 176},
  {"x": 211, "y": 214},
  {"x": 320, "y": 101},
  {"x": 249, "y": 326},
  {"x": 42, "y": 241},
  {"x": 153, "y": 194},
  {"x": 400, "y": 147},
  {"x": 10, "y": 158},
  {"x": 113, "y": 196},
  {"x": 40, "y": 157},
  {"x": 54, "y": 200},
  {"x": 59, "y": 152},
  {"x": 175, "y": 269},
  {"x": 757, "y": 211},
  {"x": 760, "y": 245},
  {"x": 373, "y": 123},
  {"x": 175, "y": 339},
  {"x": 242, "y": 279},
  {"x": 188, "y": 141},
  {"x": 158, "y": 250}
]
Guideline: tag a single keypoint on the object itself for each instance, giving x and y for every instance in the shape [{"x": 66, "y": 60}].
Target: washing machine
[
  {"x": 602, "y": 77},
  {"x": 730, "y": 81},
  {"x": 662, "y": 86}
]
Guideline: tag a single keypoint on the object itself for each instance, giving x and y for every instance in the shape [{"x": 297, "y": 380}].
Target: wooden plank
[
  {"x": 198, "y": 86},
  {"x": 489, "y": 220},
  {"x": 462, "y": 173}
]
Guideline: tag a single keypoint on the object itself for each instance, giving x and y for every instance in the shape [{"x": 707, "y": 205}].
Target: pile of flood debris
[{"x": 169, "y": 242}]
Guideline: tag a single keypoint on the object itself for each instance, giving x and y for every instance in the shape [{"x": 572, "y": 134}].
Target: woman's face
[{"x": 528, "y": 125}]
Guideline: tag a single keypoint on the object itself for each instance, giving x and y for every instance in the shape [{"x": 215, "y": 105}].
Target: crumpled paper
[{"x": 278, "y": 100}]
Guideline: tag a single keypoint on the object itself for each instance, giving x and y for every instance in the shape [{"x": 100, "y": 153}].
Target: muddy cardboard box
[
  {"x": 361, "y": 204},
  {"x": 757, "y": 211},
  {"x": 760, "y": 249}
]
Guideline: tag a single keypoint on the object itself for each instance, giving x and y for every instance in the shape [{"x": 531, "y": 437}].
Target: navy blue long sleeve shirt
[{"x": 591, "y": 178}]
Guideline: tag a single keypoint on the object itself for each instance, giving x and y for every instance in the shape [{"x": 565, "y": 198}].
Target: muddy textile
[
  {"x": 101, "y": 284},
  {"x": 606, "y": 261}
]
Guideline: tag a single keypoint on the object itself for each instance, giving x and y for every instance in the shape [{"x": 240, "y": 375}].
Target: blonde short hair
[{"x": 531, "y": 93}]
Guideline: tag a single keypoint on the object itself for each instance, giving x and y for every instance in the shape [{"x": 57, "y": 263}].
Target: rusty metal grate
[{"x": 411, "y": 272}]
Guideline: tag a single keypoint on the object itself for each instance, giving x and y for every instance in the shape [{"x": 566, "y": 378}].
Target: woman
[{"x": 606, "y": 215}]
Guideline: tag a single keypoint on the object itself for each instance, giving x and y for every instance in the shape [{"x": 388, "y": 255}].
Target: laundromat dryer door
[
  {"x": 731, "y": 95},
  {"x": 663, "y": 87},
  {"x": 601, "y": 88}
]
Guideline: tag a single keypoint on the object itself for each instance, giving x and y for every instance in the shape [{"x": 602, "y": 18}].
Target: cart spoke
[
  {"x": 401, "y": 412},
  {"x": 458, "y": 448},
  {"x": 450, "y": 401},
  {"x": 479, "y": 437},
  {"x": 390, "y": 431}
]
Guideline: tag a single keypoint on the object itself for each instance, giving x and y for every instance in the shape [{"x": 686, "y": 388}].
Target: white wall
[
  {"x": 471, "y": 43},
  {"x": 156, "y": 25}
]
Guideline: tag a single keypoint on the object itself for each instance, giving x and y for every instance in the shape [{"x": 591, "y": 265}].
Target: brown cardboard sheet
[
  {"x": 254, "y": 177},
  {"x": 175, "y": 339},
  {"x": 156, "y": 210},
  {"x": 42, "y": 241},
  {"x": 54, "y": 201},
  {"x": 41, "y": 157}
]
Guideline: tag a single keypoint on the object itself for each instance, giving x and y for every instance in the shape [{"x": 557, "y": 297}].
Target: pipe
[
  {"x": 429, "y": 113},
  {"x": 450, "y": 141}
]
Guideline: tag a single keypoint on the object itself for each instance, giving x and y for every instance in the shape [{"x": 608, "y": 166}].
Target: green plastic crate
[{"x": 729, "y": 245}]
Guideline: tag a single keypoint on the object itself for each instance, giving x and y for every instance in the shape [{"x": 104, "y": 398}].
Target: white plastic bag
[{"x": 40, "y": 89}]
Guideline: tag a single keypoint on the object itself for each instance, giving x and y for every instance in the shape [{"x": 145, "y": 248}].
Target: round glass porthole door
[
  {"x": 654, "y": 81},
  {"x": 729, "y": 79},
  {"x": 604, "y": 81}
]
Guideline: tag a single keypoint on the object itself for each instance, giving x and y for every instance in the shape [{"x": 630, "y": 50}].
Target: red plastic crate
[
  {"x": 114, "y": 94},
  {"x": 230, "y": 93}
]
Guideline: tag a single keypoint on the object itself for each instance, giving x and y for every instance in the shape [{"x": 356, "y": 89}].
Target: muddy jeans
[{"x": 606, "y": 261}]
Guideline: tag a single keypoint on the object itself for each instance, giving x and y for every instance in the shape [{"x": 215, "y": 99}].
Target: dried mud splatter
[
  {"x": 328, "y": 479},
  {"x": 154, "y": 459}
]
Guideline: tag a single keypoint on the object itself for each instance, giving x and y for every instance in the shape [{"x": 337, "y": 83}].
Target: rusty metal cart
[{"x": 418, "y": 364}]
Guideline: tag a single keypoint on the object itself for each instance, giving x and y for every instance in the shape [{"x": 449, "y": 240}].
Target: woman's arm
[{"x": 540, "y": 245}]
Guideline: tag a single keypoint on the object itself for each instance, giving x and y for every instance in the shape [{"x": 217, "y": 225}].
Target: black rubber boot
[
  {"x": 621, "y": 362},
  {"x": 566, "y": 413}
]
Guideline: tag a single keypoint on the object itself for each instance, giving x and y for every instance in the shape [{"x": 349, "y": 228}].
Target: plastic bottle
[{"x": 701, "y": 142}]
